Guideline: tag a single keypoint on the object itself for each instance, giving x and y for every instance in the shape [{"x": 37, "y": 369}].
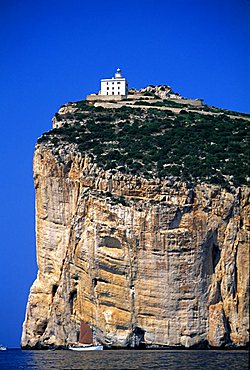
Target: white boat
[
  {"x": 2, "y": 348},
  {"x": 86, "y": 348},
  {"x": 85, "y": 340}
]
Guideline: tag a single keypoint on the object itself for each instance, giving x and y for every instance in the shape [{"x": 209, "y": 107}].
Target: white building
[{"x": 117, "y": 85}]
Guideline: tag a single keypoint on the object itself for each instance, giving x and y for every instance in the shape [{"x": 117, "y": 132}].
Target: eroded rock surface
[{"x": 141, "y": 261}]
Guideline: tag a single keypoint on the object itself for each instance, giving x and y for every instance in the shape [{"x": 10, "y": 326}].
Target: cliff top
[{"x": 156, "y": 133}]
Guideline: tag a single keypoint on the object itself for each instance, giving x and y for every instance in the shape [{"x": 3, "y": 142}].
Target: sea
[{"x": 124, "y": 359}]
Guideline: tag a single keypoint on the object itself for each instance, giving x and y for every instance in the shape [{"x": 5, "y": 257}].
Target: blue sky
[{"x": 53, "y": 52}]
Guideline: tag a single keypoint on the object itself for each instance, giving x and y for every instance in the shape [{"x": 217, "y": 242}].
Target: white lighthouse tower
[
  {"x": 116, "y": 86},
  {"x": 118, "y": 73}
]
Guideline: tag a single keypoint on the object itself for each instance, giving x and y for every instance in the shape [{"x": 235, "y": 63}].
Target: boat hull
[{"x": 86, "y": 348}]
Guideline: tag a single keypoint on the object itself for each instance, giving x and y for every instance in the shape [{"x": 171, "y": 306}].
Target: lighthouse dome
[{"x": 118, "y": 73}]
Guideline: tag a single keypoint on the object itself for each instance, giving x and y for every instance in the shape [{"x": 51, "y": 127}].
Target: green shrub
[{"x": 161, "y": 143}]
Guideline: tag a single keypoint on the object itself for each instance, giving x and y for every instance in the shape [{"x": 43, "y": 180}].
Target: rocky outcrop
[
  {"x": 142, "y": 261},
  {"x": 161, "y": 91}
]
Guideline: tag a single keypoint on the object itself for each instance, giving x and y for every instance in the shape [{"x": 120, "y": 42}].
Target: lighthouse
[
  {"x": 115, "y": 86},
  {"x": 118, "y": 73}
]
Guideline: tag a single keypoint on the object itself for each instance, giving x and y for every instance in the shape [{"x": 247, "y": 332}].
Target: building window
[
  {"x": 118, "y": 92},
  {"x": 118, "y": 87},
  {"x": 107, "y": 83},
  {"x": 107, "y": 88},
  {"x": 112, "y": 83},
  {"x": 112, "y": 87},
  {"x": 118, "y": 83},
  {"x": 113, "y": 93}
]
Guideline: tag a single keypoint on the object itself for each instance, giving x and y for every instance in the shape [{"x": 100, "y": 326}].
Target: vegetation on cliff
[{"x": 158, "y": 143}]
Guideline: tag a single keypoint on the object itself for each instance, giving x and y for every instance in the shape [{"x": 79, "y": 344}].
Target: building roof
[{"x": 114, "y": 79}]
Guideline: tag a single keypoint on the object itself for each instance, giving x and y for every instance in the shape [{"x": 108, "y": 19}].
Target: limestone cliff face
[{"x": 139, "y": 260}]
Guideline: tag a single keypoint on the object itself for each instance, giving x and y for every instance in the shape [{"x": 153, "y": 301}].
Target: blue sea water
[{"x": 124, "y": 359}]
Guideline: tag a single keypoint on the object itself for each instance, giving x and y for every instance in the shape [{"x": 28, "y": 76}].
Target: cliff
[{"x": 155, "y": 261}]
